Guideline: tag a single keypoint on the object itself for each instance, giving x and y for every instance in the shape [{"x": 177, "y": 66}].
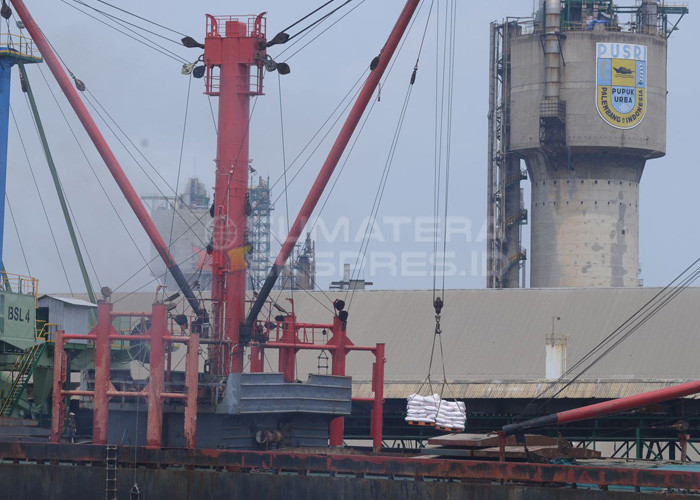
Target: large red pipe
[
  {"x": 607, "y": 407},
  {"x": 329, "y": 166},
  {"x": 106, "y": 153}
]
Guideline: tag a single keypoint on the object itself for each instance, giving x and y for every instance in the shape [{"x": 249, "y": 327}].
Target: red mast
[{"x": 234, "y": 53}]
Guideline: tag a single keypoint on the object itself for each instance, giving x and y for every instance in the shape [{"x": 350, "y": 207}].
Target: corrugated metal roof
[
  {"x": 70, "y": 300},
  {"x": 584, "y": 389},
  {"x": 491, "y": 336}
]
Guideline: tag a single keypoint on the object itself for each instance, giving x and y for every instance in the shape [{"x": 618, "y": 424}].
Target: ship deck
[{"x": 180, "y": 473}]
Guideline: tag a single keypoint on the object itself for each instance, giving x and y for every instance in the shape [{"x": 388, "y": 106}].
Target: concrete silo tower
[{"x": 584, "y": 96}]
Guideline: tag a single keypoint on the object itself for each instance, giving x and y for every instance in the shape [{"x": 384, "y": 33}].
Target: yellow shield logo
[{"x": 621, "y": 70}]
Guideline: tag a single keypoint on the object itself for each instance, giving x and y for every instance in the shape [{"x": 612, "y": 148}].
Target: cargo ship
[{"x": 228, "y": 425}]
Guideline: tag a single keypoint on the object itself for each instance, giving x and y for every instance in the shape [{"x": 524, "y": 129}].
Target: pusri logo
[{"x": 621, "y": 70}]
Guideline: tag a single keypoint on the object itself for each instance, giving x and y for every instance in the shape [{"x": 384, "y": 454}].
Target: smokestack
[
  {"x": 556, "y": 351},
  {"x": 649, "y": 17}
]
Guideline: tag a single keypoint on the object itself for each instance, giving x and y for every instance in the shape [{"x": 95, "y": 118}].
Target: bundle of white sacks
[
  {"x": 422, "y": 408},
  {"x": 433, "y": 410},
  {"x": 452, "y": 415}
]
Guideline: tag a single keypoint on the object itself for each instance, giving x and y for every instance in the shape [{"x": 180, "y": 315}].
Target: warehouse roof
[
  {"x": 69, "y": 300},
  {"x": 497, "y": 337}
]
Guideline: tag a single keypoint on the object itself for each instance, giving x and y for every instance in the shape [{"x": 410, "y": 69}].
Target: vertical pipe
[
  {"x": 57, "y": 404},
  {"x": 102, "y": 373},
  {"x": 5, "y": 84},
  {"x": 378, "y": 405},
  {"x": 337, "y": 428},
  {"x": 331, "y": 162},
  {"x": 59, "y": 191},
  {"x": 107, "y": 155},
  {"x": 192, "y": 384},
  {"x": 490, "y": 208},
  {"x": 551, "y": 48},
  {"x": 154, "y": 432}
]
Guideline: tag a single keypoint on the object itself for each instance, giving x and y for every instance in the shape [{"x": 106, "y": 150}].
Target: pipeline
[{"x": 605, "y": 408}]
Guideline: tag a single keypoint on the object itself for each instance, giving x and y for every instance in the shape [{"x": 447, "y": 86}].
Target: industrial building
[
  {"x": 186, "y": 223},
  {"x": 578, "y": 105},
  {"x": 495, "y": 345}
]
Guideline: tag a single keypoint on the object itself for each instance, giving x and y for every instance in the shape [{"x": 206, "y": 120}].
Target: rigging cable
[
  {"x": 151, "y": 44},
  {"x": 318, "y": 35},
  {"x": 286, "y": 184},
  {"x": 388, "y": 163},
  {"x": 156, "y": 257},
  {"x": 320, "y": 129},
  {"x": 308, "y": 144},
  {"x": 96, "y": 106},
  {"x": 112, "y": 16},
  {"x": 179, "y": 163},
  {"x": 315, "y": 23},
  {"x": 448, "y": 140},
  {"x": 142, "y": 18},
  {"x": 437, "y": 144},
  {"x": 342, "y": 166},
  {"x": 213, "y": 119},
  {"x": 76, "y": 226},
  {"x": 622, "y": 332},
  {"x": 369, "y": 112},
  {"x": 359, "y": 261},
  {"x": 94, "y": 172},
  {"x": 442, "y": 120},
  {"x": 108, "y": 114},
  {"x": 307, "y": 15},
  {"x": 41, "y": 200},
  {"x": 19, "y": 237}
]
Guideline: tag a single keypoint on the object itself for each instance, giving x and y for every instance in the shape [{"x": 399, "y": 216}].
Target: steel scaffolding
[{"x": 259, "y": 232}]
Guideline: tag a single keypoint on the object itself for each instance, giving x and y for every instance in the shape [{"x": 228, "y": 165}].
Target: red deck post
[
  {"x": 378, "y": 405},
  {"x": 59, "y": 377},
  {"x": 257, "y": 359},
  {"x": 683, "y": 442},
  {"x": 102, "y": 373},
  {"x": 287, "y": 355},
  {"x": 158, "y": 329},
  {"x": 337, "y": 427},
  {"x": 502, "y": 446},
  {"x": 192, "y": 384}
]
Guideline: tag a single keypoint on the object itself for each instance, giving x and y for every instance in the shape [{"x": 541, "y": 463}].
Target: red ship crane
[{"x": 234, "y": 59}]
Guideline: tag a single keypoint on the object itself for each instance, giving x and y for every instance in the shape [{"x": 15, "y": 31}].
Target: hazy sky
[{"x": 145, "y": 93}]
